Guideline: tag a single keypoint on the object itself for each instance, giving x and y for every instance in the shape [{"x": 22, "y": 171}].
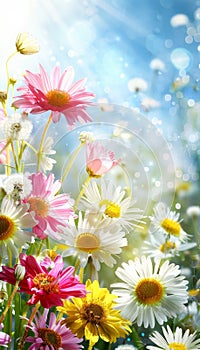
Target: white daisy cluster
[
  {"x": 166, "y": 236},
  {"x": 113, "y": 203},
  {"x": 106, "y": 215}
]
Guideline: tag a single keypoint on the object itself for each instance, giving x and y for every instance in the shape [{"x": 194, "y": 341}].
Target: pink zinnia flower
[
  {"x": 51, "y": 210},
  {"x": 99, "y": 160},
  {"x": 55, "y": 93},
  {"x": 49, "y": 286},
  {"x": 51, "y": 334}
]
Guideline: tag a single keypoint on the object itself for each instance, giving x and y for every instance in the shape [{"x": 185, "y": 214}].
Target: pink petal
[{"x": 66, "y": 79}]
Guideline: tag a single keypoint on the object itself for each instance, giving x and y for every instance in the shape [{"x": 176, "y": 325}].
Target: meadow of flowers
[{"x": 93, "y": 268}]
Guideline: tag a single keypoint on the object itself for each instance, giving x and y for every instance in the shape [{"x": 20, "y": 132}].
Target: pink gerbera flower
[
  {"x": 51, "y": 210},
  {"x": 99, "y": 160},
  {"x": 49, "y": 286},
  {"x": 55, "y": 93},
  {"x": 51, "y": 334}
]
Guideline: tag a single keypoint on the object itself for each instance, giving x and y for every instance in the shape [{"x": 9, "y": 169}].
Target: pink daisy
[
  {"x": 99, "y": 160},
  {"x": 49, "y": 286},
  {"x": 55, "y": 93},
  {"x": 51, "y": 210},
  {"x": 51, "y": 334}
]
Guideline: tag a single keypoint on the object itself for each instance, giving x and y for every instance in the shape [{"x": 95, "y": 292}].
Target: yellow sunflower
[{"x": 94, "y": 316}]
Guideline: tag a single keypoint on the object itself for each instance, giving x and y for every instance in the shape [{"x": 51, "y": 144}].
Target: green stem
[
  {"x": 42, "y": 141},
  {"x": 14, "y": 157},
  {"x": 69, "y": 165},
  {"x": 82, "y": 191},
  {"x": 7, "y": 71},
  {"x": 47, "y": 243},
  {"x": 196, "y": 231},
  {"x": 8, "y": 160},
  {"x": 136, "y": 339},
  {"x": 17, "y": 317},
  {"x": 30, "y": 146},
  {"x": 40, "y": 248},
  {"x": 20, "y": 346},
  {"x": 9, "y": 303}
]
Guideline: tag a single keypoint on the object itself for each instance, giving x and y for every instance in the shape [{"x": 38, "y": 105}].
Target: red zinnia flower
[{"x": 47, "y": 286}]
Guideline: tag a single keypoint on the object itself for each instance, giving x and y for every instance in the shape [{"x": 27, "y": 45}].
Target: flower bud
[
  {"x": 19, "y": 272},
  {"x": 86, "y": 136},
  {"x": 26, "y": 44},
  {"x": 3, "y": 292}
]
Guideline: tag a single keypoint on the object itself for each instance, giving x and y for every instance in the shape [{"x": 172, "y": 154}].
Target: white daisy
[
  {"x": 167, "y": 222},
  {"x": 149, "y": 103},
  {"x": 161, "y": 247},
  {"x": 193, "y": 211},
  {"x": 137, "y": 85},
  {"x": 174, "y": 341},
  {"x": 179, "y": 20},
  {"x": 18, "y": 186},
  {"x": 17, "y": 127},
  {"x": 13, "y": 220},
  {"x": 86, "y": 136},
  {"x": 46, "y": 163},
  {"x": 150, "y": 292},
  {"x": 90, "y": 240},
  {"x": 126, "y": 347},
  {"x": 112, "y": 202},
  {"x": 157, "y": 65}
]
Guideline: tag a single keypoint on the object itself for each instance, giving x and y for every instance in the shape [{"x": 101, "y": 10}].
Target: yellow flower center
[
  {"x": 16, "y": 127},
  {"x": 57, "y": 98},
  {"x": 51, "y": 254},
  {"x": 91, "y": 173},
  {"x": 7, "y": 227},
  {"x": 50, "y": 338},
  {"x": 168, "y": 245},
  {"x": 93, "y": 313},
  {"x": 149, "y": 291},
  {"x": 172, "y": 227},
  {"x": 193, "y": 292},
  {"x": 177, "y": 346},
  {"x": 112, "y": 210},
  {"x": 39, "y": 206},
  {"x": 87, "y": 242},
  {"x": 46, "y": 283}
]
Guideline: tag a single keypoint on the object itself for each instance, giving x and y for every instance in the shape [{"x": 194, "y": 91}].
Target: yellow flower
[
  {"x": 26, "y": 44},
  {"x": 94, "y": 316}
]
